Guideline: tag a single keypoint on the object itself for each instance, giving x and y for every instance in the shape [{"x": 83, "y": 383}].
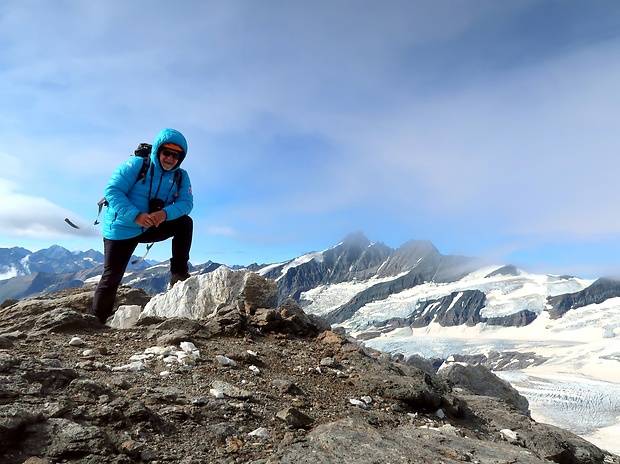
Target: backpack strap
[
  {"x": 146, "y": 163},
  {"x": 178, "y": 177}
]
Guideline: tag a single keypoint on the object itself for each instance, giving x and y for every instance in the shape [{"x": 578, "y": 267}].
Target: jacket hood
[{"x": 168, "y": 135}]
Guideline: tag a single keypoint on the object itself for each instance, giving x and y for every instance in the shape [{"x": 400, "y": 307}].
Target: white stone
[
  {"x": 428, "y": 427},
  {"x": 77, "y": 341},
  {"x": 252, "y": 353},
  {"x": 255, "y": 369},
  {"x": 88, "y": 352},
  {"x": 510, "y": 435},
  {"x": 449, "y": 429},
  {"x": 186, "y": 358},
  {"x": 358, "y": 403},
  {"x": 259, "y": 432},
  {"x": 218, "y": 394},
  {"x": 440, "y": 414},
  {"x": 132, "y": 367},
  {"x": 367, "y": 399},
  {"x": 125, "y": 316},
  {"x": 160, "y": 350},
  {"x": 225, "y": 361},
  {"x": 188, "y": 347},
  {"x": 164, "y": 373}
]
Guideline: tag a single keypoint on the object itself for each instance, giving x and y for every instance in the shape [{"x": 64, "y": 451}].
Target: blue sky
[{"x": 489, "y": 128}]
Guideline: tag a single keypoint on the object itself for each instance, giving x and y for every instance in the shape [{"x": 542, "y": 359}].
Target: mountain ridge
[{"x": 346, "y": 284}]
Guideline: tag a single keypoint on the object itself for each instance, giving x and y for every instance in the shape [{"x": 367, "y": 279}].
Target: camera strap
[
  {"x": 159, "y": 186},
  {"x": 150, "y": 245}
]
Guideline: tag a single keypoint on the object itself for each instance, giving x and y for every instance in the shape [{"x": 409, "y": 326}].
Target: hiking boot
[{"x": 174, "y": 278}]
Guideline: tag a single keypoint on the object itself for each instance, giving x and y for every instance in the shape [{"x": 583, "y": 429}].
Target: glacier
[{"x": 577, "y": 388}]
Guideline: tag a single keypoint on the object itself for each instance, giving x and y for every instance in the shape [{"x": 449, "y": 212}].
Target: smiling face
[{"x": 168, "y": 158}]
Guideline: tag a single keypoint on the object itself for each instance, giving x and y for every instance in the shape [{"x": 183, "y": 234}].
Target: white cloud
[{"x": 30, "y": 217}]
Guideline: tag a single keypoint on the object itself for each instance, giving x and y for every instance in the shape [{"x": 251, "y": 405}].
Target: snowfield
[
  {"x": 577, "y": 388},
  {"x": 587, "y": 407},
  {"x": 506, "y": 294}
]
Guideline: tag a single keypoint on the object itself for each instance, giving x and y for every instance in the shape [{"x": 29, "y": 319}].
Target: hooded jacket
[{"x": 127, "y": 198}]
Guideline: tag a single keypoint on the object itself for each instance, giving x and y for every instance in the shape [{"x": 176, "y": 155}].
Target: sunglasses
[{"x": 175, "y": 155}]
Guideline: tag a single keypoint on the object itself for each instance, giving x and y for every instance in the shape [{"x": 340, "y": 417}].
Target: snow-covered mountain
[
  {"x": 24, "y": 273},
  {"x": 53, "y": 260},
  {"x": 371, "y": 289}
]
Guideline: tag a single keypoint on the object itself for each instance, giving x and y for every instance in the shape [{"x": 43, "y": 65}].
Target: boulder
[
  {"x": 352, "y": 440},
  {"x": 203, "y": 296},
  {"x": 480, "y": 380}
]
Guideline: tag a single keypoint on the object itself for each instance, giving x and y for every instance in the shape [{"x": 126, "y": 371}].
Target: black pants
[{"x": 117, "y": 254}]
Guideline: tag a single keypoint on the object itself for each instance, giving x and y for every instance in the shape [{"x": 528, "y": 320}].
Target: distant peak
[
  {"x": 356, "y": 238},
  {"x": 419, "y": 246},
  {"x": 18, "y": 250},
  {"x": 507, "y": 270}
]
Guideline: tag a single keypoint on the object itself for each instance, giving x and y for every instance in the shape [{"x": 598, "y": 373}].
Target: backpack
[{"x": 143, "y": 151}]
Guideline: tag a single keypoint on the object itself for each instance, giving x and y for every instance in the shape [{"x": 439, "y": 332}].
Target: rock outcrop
[
  {"x": 601, "y": 290},
  {"x": 246, "y": 382},
  {"x": 205, "y": 295}
]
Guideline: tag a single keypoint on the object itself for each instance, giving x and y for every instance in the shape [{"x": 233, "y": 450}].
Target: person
[{"x": 143, "y": 211}]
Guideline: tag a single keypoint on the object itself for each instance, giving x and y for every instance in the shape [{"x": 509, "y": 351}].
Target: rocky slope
[{"x": 246, "y": 383}]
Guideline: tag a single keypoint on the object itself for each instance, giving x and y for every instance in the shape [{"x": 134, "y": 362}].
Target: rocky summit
[{"x": 244, "y": 381}]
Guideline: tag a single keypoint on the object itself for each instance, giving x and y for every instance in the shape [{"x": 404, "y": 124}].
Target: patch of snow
[
  {"x": 506, "y": 295},
  {"x": 382, "y": 264},
  {"x": 93, "y": 280},
  {"x": 326, "y": 298},
  {"x": 266, "y": 269},
  {"x": 316, "y": 256}
]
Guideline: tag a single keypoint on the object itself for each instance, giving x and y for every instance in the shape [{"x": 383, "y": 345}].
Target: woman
[{"x": 152, "y": 209}]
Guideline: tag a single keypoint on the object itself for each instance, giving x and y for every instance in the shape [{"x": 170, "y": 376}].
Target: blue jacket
[{"x": 127, "y": 198}]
